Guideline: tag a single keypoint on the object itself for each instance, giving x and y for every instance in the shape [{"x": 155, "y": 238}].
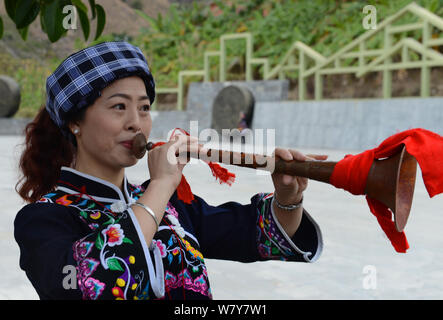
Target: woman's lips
[{"x": 127, "y": 144}]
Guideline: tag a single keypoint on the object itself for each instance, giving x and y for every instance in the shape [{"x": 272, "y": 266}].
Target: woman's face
[{"x": 111, "y": 123}]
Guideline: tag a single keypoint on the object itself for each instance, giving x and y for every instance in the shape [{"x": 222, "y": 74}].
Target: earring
[{"x": 76, "y": 131}]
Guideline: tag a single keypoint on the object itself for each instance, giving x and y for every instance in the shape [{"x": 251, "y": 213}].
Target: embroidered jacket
[{"x": 86, "y": 230}]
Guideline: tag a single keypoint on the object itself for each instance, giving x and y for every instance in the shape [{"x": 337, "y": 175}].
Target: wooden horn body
[{"x": 390, "y": 181}]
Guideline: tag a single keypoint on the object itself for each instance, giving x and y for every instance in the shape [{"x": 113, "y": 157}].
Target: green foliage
[
  {"x": 101, "y": 20},
  {"x": 178, "y": 40},
  {"x": 52, "y": 15}
]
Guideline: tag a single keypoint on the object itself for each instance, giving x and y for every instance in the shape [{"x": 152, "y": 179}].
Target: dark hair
[{"x": 46, "y": 151}]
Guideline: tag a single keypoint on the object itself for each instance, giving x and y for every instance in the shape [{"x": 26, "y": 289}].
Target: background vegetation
[{"x": 177, "y": 40}]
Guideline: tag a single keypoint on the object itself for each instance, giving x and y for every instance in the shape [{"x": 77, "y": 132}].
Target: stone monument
[
  {"x": 233, "y": 108},
  {"x": 9, "y": 97}
]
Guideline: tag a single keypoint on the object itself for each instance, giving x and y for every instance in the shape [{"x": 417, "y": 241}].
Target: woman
[{"x": 131, "y": 241}]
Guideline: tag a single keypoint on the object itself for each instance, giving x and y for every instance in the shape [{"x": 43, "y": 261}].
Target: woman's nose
[{"x": 133, "y": 121}]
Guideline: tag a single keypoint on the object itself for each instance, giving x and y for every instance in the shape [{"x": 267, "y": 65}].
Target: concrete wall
[{"x": 346, "y": 124}]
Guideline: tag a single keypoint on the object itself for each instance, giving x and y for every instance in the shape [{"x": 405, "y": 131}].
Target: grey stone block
[
  {"x": 10, "y": 96},
  {"x": 232, "y": 105},
  {"x": 201, "y": 96}
]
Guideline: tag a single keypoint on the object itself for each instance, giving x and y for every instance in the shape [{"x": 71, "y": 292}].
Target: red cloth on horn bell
[{"x": 351, "y": 173}]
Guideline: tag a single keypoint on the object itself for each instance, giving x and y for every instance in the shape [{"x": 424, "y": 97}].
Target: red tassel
[
  {"x": 184, "y": 191},
  {"x": 221, "y": 173}
]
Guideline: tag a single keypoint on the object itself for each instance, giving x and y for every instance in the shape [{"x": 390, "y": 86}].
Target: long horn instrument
[{"x": 390, "y": 181}]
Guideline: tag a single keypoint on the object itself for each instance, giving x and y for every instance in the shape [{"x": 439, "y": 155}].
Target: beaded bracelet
[{"x": 149, "y": 210}]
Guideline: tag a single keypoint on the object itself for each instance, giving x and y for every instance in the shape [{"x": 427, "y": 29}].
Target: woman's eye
[
  {"x": 119, "y": 106},
  {"x": 146, "y": 107}
]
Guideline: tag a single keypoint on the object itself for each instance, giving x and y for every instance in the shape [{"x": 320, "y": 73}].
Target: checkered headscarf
[{"x": 81, "y": 77}]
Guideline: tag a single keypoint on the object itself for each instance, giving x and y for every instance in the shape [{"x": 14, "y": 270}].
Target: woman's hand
[
  {"x": 289, "y": 189},
  {"x": 163, "y": 163}
]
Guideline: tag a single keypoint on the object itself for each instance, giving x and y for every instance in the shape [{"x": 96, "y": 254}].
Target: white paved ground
[{"x": 352, "y": 242}]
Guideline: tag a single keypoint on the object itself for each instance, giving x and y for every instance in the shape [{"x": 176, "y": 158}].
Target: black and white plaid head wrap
[{"x": 81, "y": 77}]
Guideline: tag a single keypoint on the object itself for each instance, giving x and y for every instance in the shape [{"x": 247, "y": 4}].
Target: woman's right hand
[{"x": 164, "y": 166}]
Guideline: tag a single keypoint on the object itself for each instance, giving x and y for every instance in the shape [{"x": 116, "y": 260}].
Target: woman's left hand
[{"x": 289, "y": 189}]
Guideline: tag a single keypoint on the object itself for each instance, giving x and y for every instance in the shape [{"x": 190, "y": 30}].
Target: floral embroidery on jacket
[
  {"x": 112, "y": 235},
  {"x": 271, "y": 243}
]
